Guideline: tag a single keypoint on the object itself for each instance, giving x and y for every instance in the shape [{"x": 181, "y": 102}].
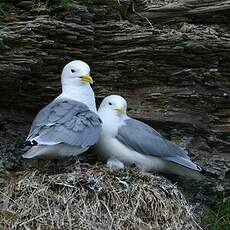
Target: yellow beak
[
  {"x": 121, "y": 110},
  {"x": 87, "y": 78}
]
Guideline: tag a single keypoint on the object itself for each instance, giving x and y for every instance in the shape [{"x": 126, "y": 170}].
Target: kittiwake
[
  {"x": 69, "y": 125},
  {"x": 125, "y": 140}
]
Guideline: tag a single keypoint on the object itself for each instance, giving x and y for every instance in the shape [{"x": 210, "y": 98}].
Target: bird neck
[
  {"x": 110, "y": 117},
  {"x": 110, "y": 123},
  {"x": 83, "y": 93}
]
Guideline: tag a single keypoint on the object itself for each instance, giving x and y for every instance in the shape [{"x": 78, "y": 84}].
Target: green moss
[
  {"x": 87, "y": 2},
  {"x": 218, "y": 218},
  {"x": 93, "y": 2},
  {"x": 2, "y": 14},
  {"x": 2, "y": 10},
  {"x": 64, "y": 3}
]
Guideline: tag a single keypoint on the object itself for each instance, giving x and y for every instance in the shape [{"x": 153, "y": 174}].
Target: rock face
[{"x": 170, "y": 59}]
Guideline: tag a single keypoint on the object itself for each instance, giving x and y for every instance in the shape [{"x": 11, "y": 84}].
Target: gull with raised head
[{"x": 69, "y": 125}]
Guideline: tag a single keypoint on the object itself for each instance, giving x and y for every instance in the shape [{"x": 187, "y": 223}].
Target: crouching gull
[
  {"x": 125, "y": 140},
  {"x": 69, "y": 125}
]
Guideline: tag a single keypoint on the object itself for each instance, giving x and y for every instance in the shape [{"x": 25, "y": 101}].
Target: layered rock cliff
[{"x": 170, "y": 59}]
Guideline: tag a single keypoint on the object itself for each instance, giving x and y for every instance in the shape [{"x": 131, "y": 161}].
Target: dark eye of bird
[
  {"x": 110, "y": 103},
  {"x": 72, "y": 70}
]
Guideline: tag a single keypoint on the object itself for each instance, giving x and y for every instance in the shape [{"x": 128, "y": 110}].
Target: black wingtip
[
  {"x": 29, "y": 143},
  {"x": 208, "y": 174}
]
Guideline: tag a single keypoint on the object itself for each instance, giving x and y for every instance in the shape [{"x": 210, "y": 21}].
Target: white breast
[
  {"x": 112, "y": 148},
  {"x": 54, "y": 151}
]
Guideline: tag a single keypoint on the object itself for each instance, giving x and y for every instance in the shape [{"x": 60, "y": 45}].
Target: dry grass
[{"x": 92, "y": 197}]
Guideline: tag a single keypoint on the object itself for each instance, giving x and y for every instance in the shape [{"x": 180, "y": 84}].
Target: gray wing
[
  {"x": 144, "y": 139},
  {"x": 65, "y": 121}
]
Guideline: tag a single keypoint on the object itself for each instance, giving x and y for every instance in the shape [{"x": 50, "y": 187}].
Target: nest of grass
[{"x": 92, "y": 197}]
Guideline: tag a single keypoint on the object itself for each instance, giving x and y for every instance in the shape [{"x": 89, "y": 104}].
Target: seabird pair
[{"x": 70, "y": 124}]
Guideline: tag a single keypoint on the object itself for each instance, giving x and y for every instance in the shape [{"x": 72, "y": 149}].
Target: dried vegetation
[{"x": 87, "y": 196}]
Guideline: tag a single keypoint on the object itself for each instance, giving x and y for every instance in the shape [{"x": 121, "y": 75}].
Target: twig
[{"x": 36, "y": 217}]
